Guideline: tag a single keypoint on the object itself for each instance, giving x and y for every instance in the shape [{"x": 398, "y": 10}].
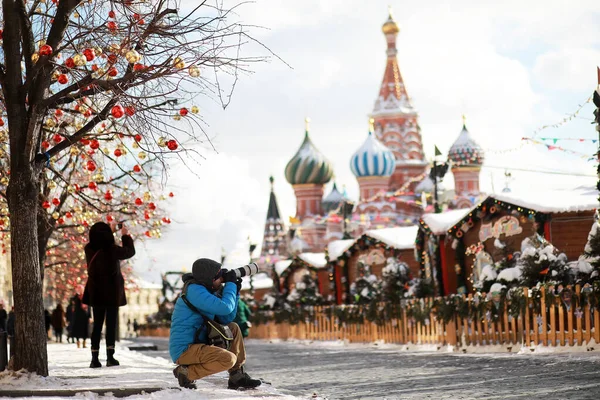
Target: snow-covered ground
[{"x": 69, "y": 371}]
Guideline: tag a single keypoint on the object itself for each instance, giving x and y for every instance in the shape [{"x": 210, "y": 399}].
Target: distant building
[{"x": 143, "y": 299}]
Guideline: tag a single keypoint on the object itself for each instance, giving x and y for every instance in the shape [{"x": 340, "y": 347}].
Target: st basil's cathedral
[{"x": 391, "y": 169}]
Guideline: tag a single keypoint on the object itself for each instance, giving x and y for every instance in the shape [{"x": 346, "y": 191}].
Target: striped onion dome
[
  {"x": 465, "y": 150},
  {"x": 372, "y": 159},
  {"x": 308, "y": 165}
]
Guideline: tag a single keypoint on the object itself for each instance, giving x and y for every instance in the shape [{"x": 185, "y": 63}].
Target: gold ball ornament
[
  {"x": 135, "y": 145},
  {"x": 55, "y": 215},
  {"x": 132, "y": 56},
  {"x": 52, "y": 185},
  {"x": 106, "y": 151},
  {"x": 71, "y": 189},
  {"x": 4, "y": 180},
  {"x": 177, "y": 117},
  {"x": 161, "y": 142},
  {"x": 74, "y": 151},
  {"x": 98, "y": 177},
  {"x": 50, "y": 122},
  {"x": 194, "y": 71},
  {"x": 142, "y": 155},
  {"x": 79, "y": 60},
  {"x": 35, "y": 57},
  {"x": 179, "y": 63},
  {"x": 147, "y": 196},
  {"x": 77, "y": 209},
  {"x": 80, "y": 229},
  {"x": 195, "y": 110}
]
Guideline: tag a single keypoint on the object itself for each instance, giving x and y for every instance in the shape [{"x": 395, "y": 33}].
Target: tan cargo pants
[{"x": 204, "y": 360}]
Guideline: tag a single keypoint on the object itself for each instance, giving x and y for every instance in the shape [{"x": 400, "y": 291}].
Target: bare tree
[{"x": 85, "y": 70}]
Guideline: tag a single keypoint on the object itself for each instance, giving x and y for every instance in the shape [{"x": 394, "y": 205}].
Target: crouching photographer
[{"x": 203, "y": 339}]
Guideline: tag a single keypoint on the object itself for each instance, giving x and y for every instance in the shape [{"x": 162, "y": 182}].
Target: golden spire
[
  {"x": 371, "y": 125},
  {"x": 306, "y": 124},
  {"x": 464, "y": 118},
  {"x": 390, "y": 25}
]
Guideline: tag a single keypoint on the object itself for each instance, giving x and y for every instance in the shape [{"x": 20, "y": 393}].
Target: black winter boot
[
  {"x": 239, "y": 379},
  {"x": 95, "y": 362},
  {"x": 110, "y": 360},
  {"x": 181, "y": 373}
]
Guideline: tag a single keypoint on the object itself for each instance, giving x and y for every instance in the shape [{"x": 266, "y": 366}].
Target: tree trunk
[{"x": 30, "y": 331}]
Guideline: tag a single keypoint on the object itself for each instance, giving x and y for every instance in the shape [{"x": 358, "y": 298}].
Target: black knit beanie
[{"x": 205, "y": 270}]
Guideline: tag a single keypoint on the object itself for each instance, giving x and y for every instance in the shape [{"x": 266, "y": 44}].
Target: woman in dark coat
[
  {"x": 80, "y": 316},
  {"x": 105, "y": 288},
  {"x": 58, "y": 322}
]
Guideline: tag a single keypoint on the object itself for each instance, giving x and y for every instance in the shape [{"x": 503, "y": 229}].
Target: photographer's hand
[
  {"x": 238, "y": 283},
  {"x": 230, "y": 276}
]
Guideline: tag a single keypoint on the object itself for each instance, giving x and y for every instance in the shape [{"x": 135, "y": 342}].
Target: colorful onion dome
[
  {"x": 333, "y": 199},
  {"x": 372, "y": 158},
  {"x": 390, "y": 26},
  {"x": 308, "y": 165},
  {"x": 466, "y": 151}
]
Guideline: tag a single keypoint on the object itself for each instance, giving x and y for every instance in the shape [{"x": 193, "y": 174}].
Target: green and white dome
[{"x": 308, "y": 166}]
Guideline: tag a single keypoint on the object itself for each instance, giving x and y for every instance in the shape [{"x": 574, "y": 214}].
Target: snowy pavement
[{"x": 70, "y": 375}]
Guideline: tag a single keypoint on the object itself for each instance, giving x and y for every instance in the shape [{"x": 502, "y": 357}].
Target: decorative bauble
[
  {"x": 95, "y": 144},
  {"x": 141, "y": 155},
  {"x": 51, "y": 185},
  {"x": 117, "y": 111},
  {"x": 45, "y": 50},
  {"x": 111, "y": 14},
  {"x": 57, "y": 138},
  {"x": 46, "y": 204},
  {"x": 132, "y": 56},
  {"x": 171, "y": 194},
  {"x": 161, "y": 142},
  {"x": 69, "y": 62},
  {"x": 55, "y": 215},
  {"x": 178, "y": 63},
  {"x": 130, "y": 110},
  {"x": 137, "y": 137},
  {"x": 112, "y": 72},
  {"x": 74, "y": 150},
  {"x": 172, "y": 145},
  {"x": 118, "y": 153},
  {"x": 61, "y": 221},
  {"x": 68, "y": 214},
  {"x": 55, "y": 201},
  {"x": 139, "y": 67},
  {"x": 139, "y": 202},
  {"x": 137, "y": 168},
  {"x": 50, "y": 122},
  {"x": 63, "y": 79},
  {"x": 194, "y": 71},
  {"x": 112, "y": 26},
  {"x": 35, "y": 57},
  {"x": 91, "y": 166},
  {"x": 45, "y": 145},
  {"x": 152, "y": 206},
  {"x": 89, "y": 54},
  {"x": 93, "y": 185},
  {"x": 79, "y": 60},
  {"x": 183, "y": 111},
  {"x": 108, "y": 196},
  {"x": 80, "y": 229},
  {"x": 195, "y": 110},
  {"x": 147, "y": 196}
]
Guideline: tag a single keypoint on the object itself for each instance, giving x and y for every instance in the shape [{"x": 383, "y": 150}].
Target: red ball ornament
[
  {"x": 108, "y": 196},
  {"x": 117, "y": 111},
  {"x": 89, "y": 54},
  {"x": 45, "y": 145},
  {"x": 57, "y": 138},
  {"x": 45, "y": 50},
  {"x": 147, "y": 233},
  {"x": 171, "y": 194},
  {"x": 118, "y": 153},
  {"x": 112, "y": 25},
  {"x": 59, "y": 113},
  {"x": 109, "y": 218},
  {"x": 137, "y": 137},
  {"x": 92, "y": 185},
  {"x": 138, "y": 202},
  {"x": 70, "y": 63},
  {"x": 152, "y": 206},
  {"x": 112, "y": 72},
  {"x": 137, "y": 67},
  {"x": 172, "y": 145},
  {"x": 137, "y": 168},
  {"x": 183, "y": 112},
  {"x": 91, "y": 166},
  {"x": 166, "y": 220},
  {"x": 46, "y": 205},
  {"x": 112, "y": 58},
  {"x": 68, "y": 214},
  {"x": 94, "y": 144},
  {"x": 130, "y": 110},
  {"x": 61, "y": 220},
  {"x": 63, "y": 79},
  {"x": 146, "y": 216},
  {"x": 55, "y": 201},
  {"x": 111, "y": 14}
]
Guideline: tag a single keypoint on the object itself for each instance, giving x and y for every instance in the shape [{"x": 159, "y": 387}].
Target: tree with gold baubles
[{"x": 82, "y": 81}]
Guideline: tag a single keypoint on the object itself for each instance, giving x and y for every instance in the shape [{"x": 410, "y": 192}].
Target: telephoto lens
[{"x": 246, "y": 270}]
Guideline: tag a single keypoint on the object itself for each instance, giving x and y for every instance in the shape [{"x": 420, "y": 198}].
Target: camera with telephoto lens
[{"x": 238, "y": 273}]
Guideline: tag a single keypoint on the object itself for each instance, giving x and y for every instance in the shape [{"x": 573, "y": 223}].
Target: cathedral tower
[{"x": 275, "y": 238}]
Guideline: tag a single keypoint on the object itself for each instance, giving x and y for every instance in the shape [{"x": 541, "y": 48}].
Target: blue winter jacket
[{"x": 185, "y": 322}]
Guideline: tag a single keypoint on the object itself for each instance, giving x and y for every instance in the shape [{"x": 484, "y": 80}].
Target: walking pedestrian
[
  {"x": 105, "y": 287},
  {"x": 136, "y": 326},
  {"x": 3, "y": 316},
  {"x": 58, "y": 322},
  {"x": 80, "y": 317}
]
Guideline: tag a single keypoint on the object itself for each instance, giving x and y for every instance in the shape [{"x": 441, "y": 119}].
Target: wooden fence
[{"x": 556, "y": 325}]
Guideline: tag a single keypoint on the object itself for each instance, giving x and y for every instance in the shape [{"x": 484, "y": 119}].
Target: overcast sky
[{"x": 510, "y": 66}]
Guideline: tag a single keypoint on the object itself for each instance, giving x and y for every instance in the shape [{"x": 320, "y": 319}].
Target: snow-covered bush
[
  {"x": 306, "y": 292},
  {"x": 543, "y": 264},
  {"x": 366, "y": 287},
  {"x": 395, "y": 280}
]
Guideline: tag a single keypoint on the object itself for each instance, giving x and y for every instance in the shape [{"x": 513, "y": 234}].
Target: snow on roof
[
  {"x": 317, "y": 260},
  {"x": 259, "y": 281},
  {"x": 440, "y": 223},
  {"x": 338, "y": 247},
  {"x": 402, "y": 237},
  {"x": 583, "y": 198},
  {"x": 282, "y": 265},
  {"x": 143, "y": 284}
]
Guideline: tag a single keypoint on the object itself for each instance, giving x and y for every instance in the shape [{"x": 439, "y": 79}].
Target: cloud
[{"x": 569, "y": 69}]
